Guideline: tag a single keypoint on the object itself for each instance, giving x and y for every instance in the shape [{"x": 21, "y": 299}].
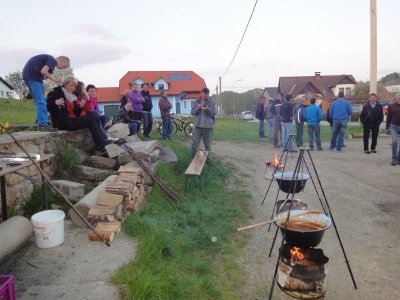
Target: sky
[{"x": 106, "y": 39}]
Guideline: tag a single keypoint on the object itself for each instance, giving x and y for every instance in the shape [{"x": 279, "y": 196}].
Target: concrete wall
[{"x": 18, "y": 188}]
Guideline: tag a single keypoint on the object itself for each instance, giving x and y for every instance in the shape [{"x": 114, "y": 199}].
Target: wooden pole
[{"x": 373, "y": 68}]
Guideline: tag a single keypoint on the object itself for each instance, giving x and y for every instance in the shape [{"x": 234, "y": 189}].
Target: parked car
[{"x": 246, "y": 115}]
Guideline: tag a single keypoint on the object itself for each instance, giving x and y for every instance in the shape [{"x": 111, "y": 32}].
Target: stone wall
[{"x": 19, "y": 188}]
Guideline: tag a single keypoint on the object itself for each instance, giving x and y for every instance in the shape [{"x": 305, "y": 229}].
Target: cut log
[
  {"x": 108, "y": 199},
  {"x": 107, "y": 236},
  {"x": 114, "y": 226},
  {"x": 102, "y": 210}
]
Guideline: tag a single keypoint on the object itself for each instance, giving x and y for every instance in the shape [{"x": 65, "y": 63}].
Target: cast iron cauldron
[
  {"x": 288, "y": 184},
  {"x": 284, "y": 205},
  {"x": 299, "y": 238}
]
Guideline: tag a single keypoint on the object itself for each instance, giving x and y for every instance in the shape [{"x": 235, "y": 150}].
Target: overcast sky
[{"x": 106, "y": 39}]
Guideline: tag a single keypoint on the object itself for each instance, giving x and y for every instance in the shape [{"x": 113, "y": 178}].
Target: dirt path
[{"x": 364, "y": 194}]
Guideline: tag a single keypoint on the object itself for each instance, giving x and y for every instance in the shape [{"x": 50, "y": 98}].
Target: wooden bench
[{"x": 196, "y": 166}]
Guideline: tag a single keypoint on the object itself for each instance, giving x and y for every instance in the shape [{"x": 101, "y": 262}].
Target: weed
[{"x": 67, "y": 156}]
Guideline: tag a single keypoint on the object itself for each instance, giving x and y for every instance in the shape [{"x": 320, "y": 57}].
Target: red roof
[
  {"x": 108, "y": 94},
  {"x": 179, "y": 82}
]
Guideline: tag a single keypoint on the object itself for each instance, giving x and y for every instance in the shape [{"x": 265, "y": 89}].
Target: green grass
[
  {"x": 227, "y": 128},
  {"x": 176, "y": 257},
  {"x": 17, "y": 112}
]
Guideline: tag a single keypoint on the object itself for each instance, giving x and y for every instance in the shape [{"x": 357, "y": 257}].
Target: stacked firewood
[{"x": 121, "y": 197}]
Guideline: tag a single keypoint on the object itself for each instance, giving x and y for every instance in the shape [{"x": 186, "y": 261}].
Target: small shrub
[{"x": 67, "y": 156}]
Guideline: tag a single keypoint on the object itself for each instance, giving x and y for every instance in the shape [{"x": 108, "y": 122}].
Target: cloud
[
  {"x": 15, "y": 59},
  {"x": 92, "y": 30},
  {"x": 84, "y": 54}
]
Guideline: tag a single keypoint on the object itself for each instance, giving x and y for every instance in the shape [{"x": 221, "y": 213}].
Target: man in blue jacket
[
  {"x": 339, "y": 112},
  {"x": 313, "y": 116}
]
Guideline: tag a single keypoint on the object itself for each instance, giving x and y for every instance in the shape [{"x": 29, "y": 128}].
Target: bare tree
[{"x": 15, "y": 80}]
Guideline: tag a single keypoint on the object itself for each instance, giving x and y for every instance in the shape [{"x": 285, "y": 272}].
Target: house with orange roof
[
  {"x": 183, "y": 88},
  {"x": 322, "y": 87}
]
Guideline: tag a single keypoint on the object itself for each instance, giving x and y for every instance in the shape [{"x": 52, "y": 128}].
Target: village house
[
  {"x": 183, "y": 88},
  {"x": 6, "y": 90},
  {"x": 393, "y": 85},
  {"x": 322, "y": 87}
]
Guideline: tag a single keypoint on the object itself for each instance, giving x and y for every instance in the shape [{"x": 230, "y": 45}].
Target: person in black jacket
[
  {"x": 371, "y": 117},
  {"x": 67, "y": 114},
  {"x": 260, "y": 115},
  {"x": 125, "y": 115},
  {"x": 147, "y": 107}
]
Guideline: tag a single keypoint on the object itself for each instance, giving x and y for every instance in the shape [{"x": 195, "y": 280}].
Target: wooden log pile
[{"x": 121, "y": 197}]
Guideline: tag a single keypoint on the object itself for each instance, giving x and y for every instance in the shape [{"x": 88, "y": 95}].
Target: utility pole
[
  {"x": 373, "y": 67},
  {"x": 220, "y": 94},
  {"x": 217, "y": 100}
]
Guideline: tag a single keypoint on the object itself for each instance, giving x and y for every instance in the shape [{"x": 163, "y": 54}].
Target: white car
[{"x": 246, "y": 115}]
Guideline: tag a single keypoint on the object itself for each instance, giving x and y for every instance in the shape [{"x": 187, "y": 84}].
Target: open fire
[
  {"x": 302, "y": 272},
  {"x": 275, "y": 164}
]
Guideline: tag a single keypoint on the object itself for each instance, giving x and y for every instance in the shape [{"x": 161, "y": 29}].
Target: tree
[
  {"x": 361, "y": 92},
  {"x": 60, "y": 73},
  {"x": 391, "y": 76},
  {"x": 15, "y": 80}
]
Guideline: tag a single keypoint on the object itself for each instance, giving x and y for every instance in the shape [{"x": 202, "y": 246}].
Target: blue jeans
[
  {"x": 395, "y": 134},
  {"x": 166, "y": 127},
  {"x": 104, "y": 120},
  {"x": 287, "y": 130},
  {"x": 338, "y": 131},
  {"x": 299, "y": 134},
  {"x": 314, "y": 129},
  {"x": 36, "y": 89},
  {"x": 133, "y": 128},
  {"x": 270, "y": 128},
  {"x": 261, "y": 130}
]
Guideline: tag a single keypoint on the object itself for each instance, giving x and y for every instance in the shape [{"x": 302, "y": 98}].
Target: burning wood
[{"x": 275, "y": 164}]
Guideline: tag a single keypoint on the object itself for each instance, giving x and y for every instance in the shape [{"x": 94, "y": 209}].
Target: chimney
[{"x": 317, "y": 75}]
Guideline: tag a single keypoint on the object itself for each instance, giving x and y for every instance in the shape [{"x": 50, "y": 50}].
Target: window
[
  {"x": 184, "y": 104},
  {"x": 2, "y": 93},
  {"x": 160, "y": 86},
  {"x": 348, "y": 91},
  {"x": 341, "y": 90}
]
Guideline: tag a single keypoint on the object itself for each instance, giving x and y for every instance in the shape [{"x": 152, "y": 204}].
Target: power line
[{"x": 244, "y": 33}]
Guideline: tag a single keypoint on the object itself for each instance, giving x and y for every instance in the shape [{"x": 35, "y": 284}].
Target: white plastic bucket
[{"x": 48, "y": 227}]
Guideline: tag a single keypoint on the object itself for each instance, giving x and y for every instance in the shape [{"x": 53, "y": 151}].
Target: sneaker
[
  {"x": 320, "y": 149},
  {"x": 111, "y": 139},
  {"x": 367, "y": 152},
  {"x": 47, "y": 128},
  {"x": 373, "y": 150},
  {"x": 394, "y": 162}
]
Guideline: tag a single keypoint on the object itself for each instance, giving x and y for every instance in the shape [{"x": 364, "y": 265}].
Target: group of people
[
  {"x": 73, "y": 107},
  {"x": 281, "y": 112}
]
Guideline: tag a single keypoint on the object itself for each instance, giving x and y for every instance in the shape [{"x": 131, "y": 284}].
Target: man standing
[
  {"x": 165, "y": 111},
  {"x": 37, "y": 69},
  {"x": 147, "y": 107},
  {"x": 371, "y": 118},
  {"x": 299, "y": 120},
  {"x": 269, "y": 116},
  {"x": 260, "y": 115},
  {"x": 339, "y": 112},
  {"x": 203, "y": 111},
  {"x": 286, "y": 113},
  {"x": 275, "y": 110},
  {"x": 313, "y": 116},
  {"x": 393, "y": 124}
]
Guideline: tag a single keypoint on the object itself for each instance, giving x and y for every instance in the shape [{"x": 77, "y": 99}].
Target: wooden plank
[
  {"x": 102, "y": 210},
  {"x": 197, "y": 164},
  {"x": 107, "y": 199},
  {"x": 131, "y": 169},
  {"x": 108, "y": 226},
  {"x": 107, "y": 236}
]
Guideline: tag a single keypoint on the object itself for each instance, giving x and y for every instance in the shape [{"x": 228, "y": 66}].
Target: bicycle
[{"x": 177, "y": 125}]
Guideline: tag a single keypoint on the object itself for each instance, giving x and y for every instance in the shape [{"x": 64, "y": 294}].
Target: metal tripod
[{"x": 320, "y": 193}]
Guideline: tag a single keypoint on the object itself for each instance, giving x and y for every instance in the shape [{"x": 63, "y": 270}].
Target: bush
[{"x": 67, "y": 156}]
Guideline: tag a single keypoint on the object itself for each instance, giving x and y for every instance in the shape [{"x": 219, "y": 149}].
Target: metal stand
[{"x": 320, "y": 193}]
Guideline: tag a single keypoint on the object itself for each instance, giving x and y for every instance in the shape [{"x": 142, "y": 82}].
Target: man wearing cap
[
  {"x": 37, "y": 69},
  {"x": 393, "y": 126}
]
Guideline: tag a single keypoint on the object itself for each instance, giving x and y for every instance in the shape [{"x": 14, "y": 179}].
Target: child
[{"x": 94, "y": 106}]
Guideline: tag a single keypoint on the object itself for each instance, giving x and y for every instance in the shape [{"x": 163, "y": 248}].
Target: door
[{"x": 178, "y": 108}]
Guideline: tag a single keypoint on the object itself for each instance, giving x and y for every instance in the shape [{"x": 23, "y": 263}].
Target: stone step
[{"x": 71, "y": 190}]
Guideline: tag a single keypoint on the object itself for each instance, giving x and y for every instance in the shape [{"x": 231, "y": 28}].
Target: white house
[{"x": 6, "y": 90}]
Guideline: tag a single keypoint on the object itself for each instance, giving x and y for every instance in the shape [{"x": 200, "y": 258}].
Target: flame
[
  {"x": 275, "y": 162},
  {"x": 296, "y": 254}
]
